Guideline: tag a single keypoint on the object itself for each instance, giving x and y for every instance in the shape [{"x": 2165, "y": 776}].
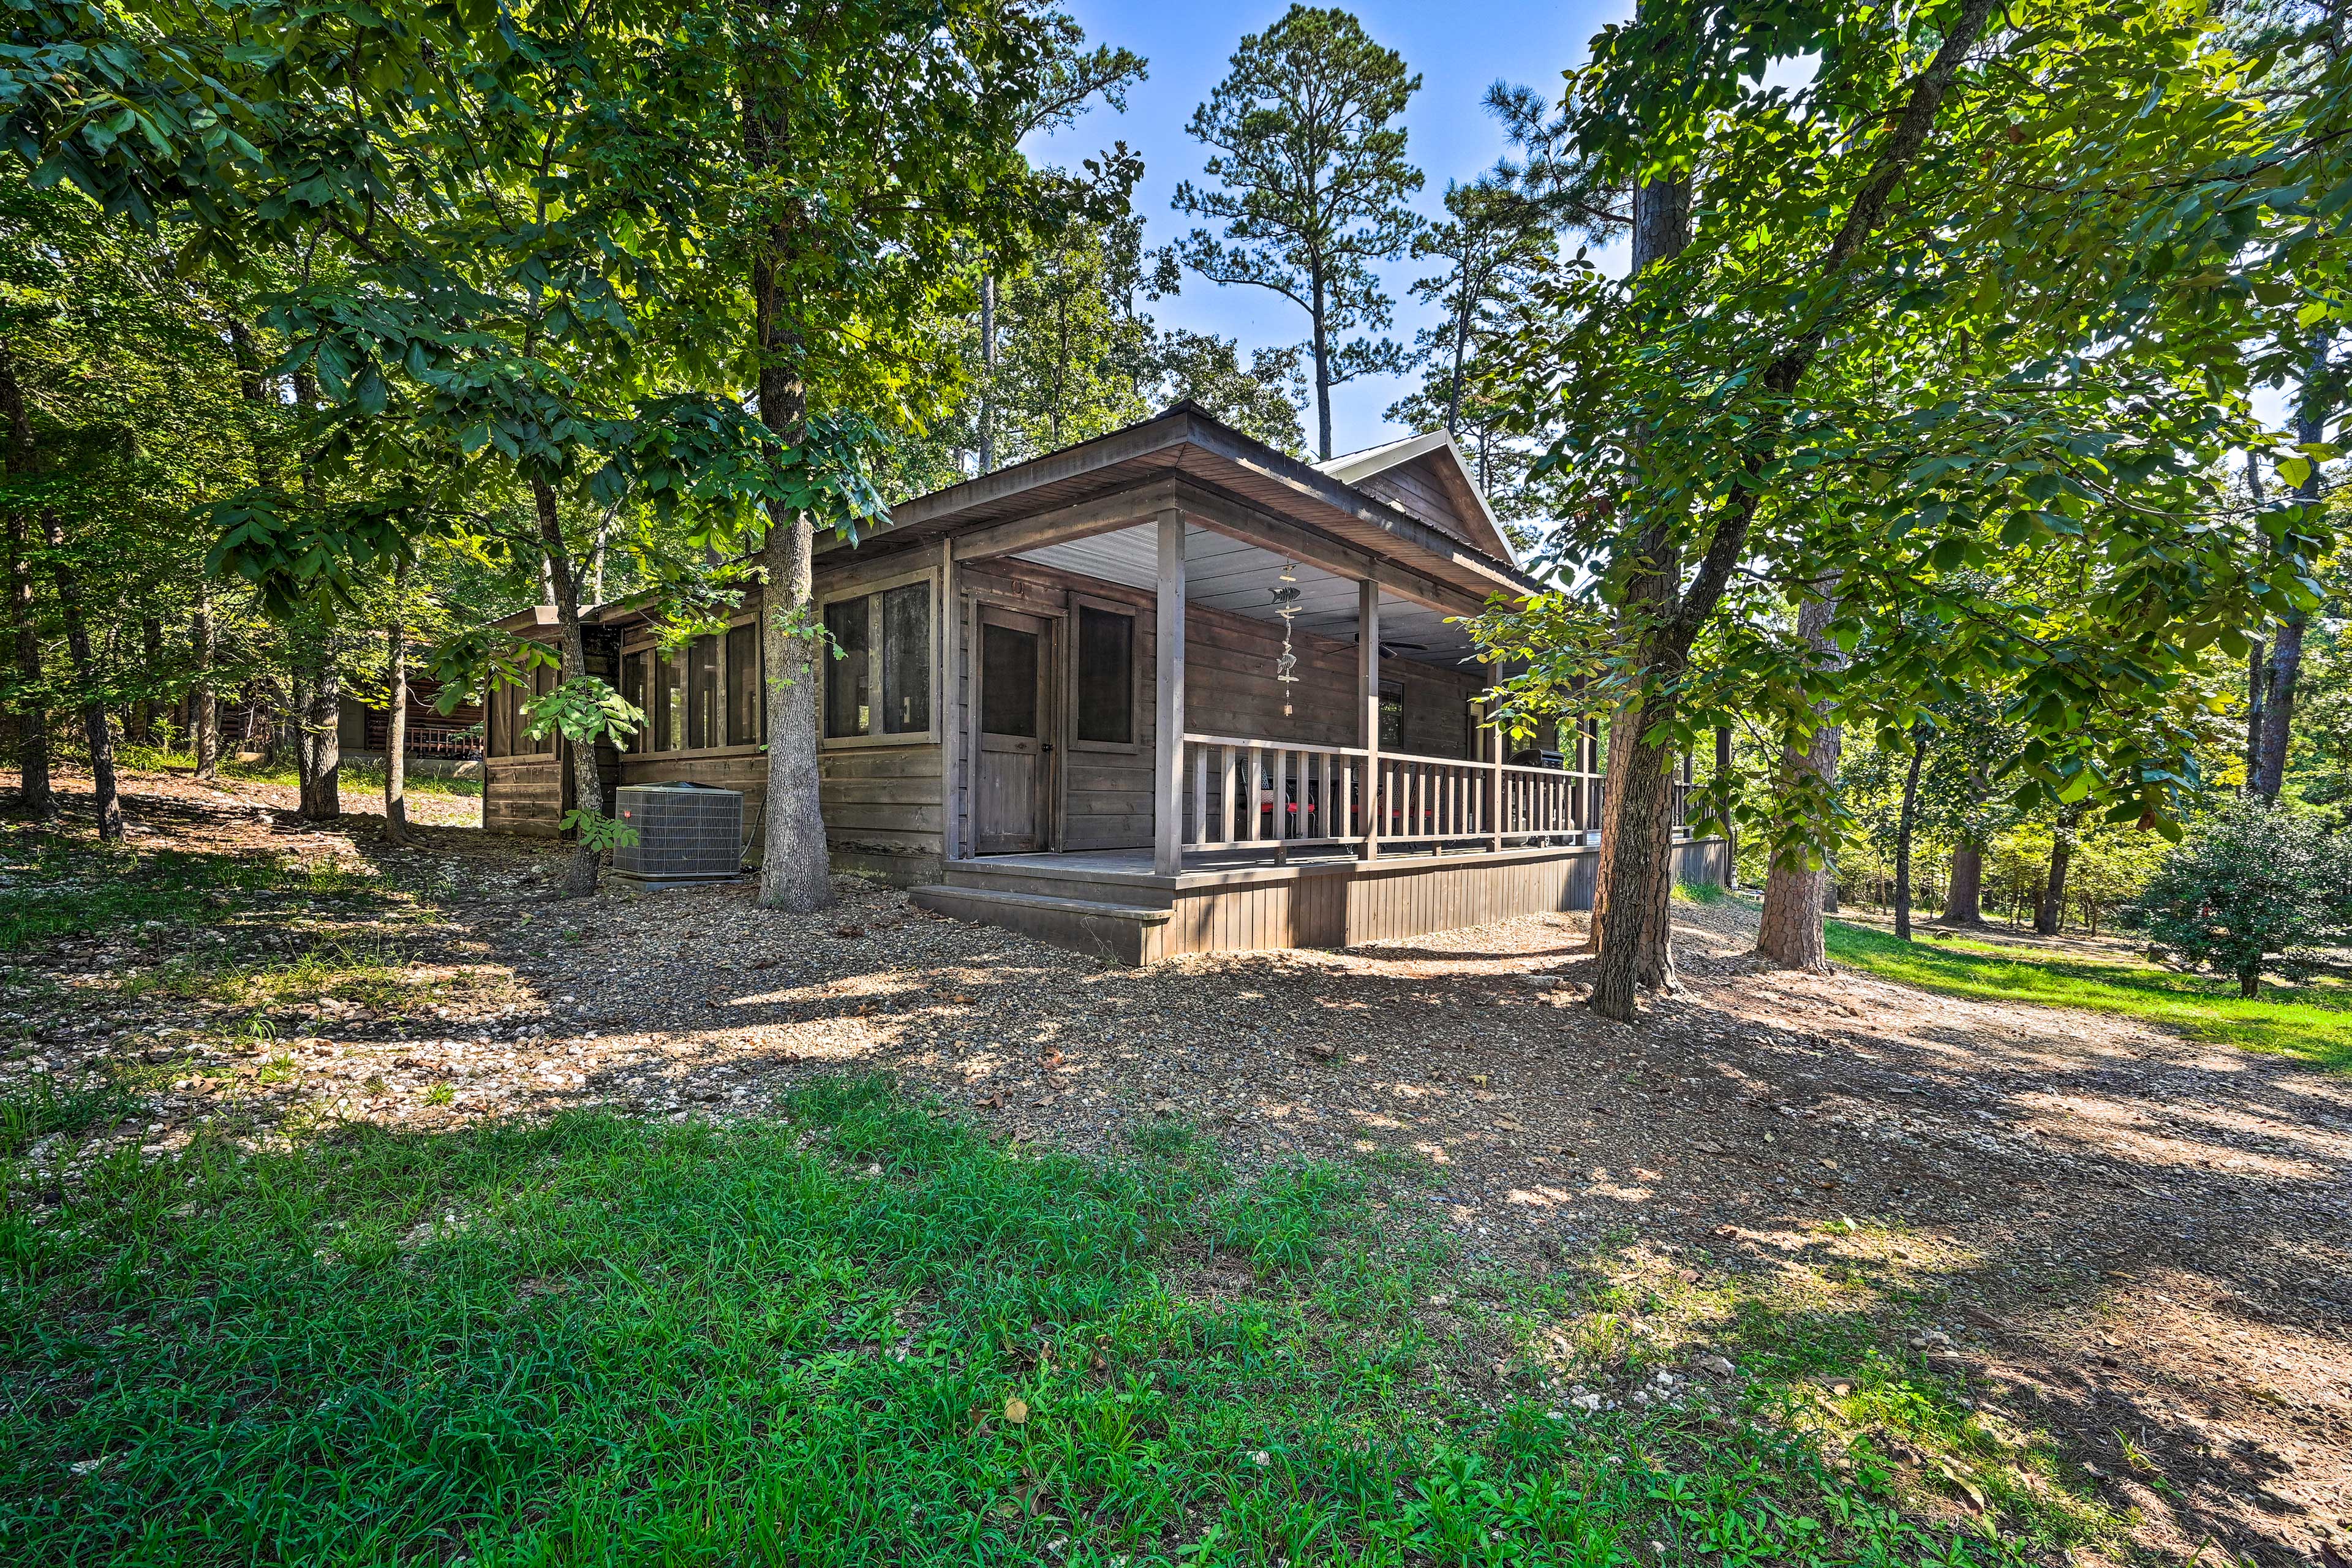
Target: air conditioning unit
[{"x": 686, "y": 833}]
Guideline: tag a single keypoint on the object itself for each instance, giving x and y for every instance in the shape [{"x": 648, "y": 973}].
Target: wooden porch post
[
  {"x": 1494, "y": 777},
  {"x": 1168, "y": 782},
  {"x": 1368, "y": 691},
  {"x": 950, "y": 684}
]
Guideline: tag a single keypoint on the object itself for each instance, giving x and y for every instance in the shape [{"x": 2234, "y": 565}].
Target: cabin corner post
[
  {"x": 1167, "y": 779},
  {"x": 949, "y": 686},
  {"x": 1368, "y": 691}
]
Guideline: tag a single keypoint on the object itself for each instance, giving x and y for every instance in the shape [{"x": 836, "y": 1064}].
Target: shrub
[{"x": 2261, "y": 886}]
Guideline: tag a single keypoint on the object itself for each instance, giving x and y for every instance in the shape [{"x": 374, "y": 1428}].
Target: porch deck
[{"x": 1115, "y": 905}]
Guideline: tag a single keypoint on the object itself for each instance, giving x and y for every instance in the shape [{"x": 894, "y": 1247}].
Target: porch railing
[{"x": 1246, "y": 793}]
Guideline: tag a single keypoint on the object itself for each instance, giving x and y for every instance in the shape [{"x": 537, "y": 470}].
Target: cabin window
[
  {"x": 669, "y": 702},
  {"x": 881, "y": 683},
  {"x": 1391, "y": 716},
  {"x": 633, "y": 692},
  {"x": 1106, "y": 682},
  {"x": 702, "y": 719},
  {"x": 744, "y": 709}
]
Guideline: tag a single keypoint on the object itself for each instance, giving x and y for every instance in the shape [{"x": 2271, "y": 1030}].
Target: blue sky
[{"x": 1458, "y": 50}]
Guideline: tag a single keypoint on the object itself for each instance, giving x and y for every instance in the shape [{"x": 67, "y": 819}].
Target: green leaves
[{"x": 583, "y": 710}]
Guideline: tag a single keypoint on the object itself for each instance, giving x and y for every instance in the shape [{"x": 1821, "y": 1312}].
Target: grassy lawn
[
  {"x": 862, "y": 1333},
  {"x": 2313, "y": 1022}
]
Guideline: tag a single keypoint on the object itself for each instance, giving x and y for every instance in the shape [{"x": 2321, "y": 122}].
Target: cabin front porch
[{"x": 1342, "y": 783}]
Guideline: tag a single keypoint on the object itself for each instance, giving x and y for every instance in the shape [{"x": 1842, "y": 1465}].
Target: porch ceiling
[{"x": 1225, "y": 574}]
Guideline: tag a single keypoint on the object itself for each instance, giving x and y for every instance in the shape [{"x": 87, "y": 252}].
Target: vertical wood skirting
[
  {"x": 1368, "y": 691},
  {"x": 1168, "y": 774}
]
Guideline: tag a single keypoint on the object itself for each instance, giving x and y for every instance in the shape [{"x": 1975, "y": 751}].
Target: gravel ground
[{"x": 2140, "y": 1242}]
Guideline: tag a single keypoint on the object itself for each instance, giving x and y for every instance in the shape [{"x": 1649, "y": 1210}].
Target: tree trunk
[
  {"x": 1964, "y": 900},
  {"x": 93, "y": 702},
  {"x": 988, "y": 373},
  {"x": 1322, "y": 345},
  {"x": 2049, "y": 907},
  {"x": 1905, "y": 825},
  {"x": 395, "y": 731},
  {"x": 204, "y": 720},
  {"x": 2287, "y": 643},
  {"x": 18, "y": 458},
  {"x": 795, "y": 861},
  {"x": 587, "y": 784},
  {"x": 1790, "y": 932},
  {"x": 34, "y": 794},
  {"x": 1633, "y": 883},
  {"x": 323, "y": 791},
  {"x": 2257, "y": 676},
  {"x": 1673, "y": 616},
  {"x": 2250, "y": 981}
]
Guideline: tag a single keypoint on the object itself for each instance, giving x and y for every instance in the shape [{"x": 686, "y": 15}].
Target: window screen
[
  {"x": 848, "y": 689},
  {"x": 543, "y": 679},
  {"x": 744, "y": 707},
  {"x": 670, "y": 703},
  {"x": 633, "y": 692},
  {"x": 1105, "y": 676},
  {"x": 1008, "y": 681},
  {"x": 1391, "y": 718},
  {"x": 906, "y": 659},
  {"x": 702, "y": 694},
  {"x": 881, "y": 684}
]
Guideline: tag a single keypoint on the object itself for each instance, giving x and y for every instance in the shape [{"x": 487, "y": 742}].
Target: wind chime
[{"x": 1285, "y": 604}]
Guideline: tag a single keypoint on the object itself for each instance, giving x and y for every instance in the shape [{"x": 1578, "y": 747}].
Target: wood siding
[{"x": 886, "y": 805}]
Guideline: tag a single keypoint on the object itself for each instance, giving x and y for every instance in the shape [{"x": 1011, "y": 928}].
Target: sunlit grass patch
[
  {"x": 56, "y": 887},
  {"x": 866, "y": 1324},
  {"x": 2313, "y": 1022}
]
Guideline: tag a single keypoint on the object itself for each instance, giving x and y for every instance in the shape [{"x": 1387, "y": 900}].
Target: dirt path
[{"x": 2139, "y": 1243}]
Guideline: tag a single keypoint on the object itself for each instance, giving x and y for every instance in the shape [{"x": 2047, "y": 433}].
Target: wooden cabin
[{"x": 1062, "y": 708}]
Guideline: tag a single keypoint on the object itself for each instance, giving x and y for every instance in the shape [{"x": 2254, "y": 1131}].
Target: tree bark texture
[
  {"x": 1790, "y": 932},
  {"x": 587, "y": 782},
  {"x": 395, "y": 735},
  {"x": 1906, "y": 826},
  {"x": 204, "y": 718},
  {"x": 18, "y": 458},
  {"x": 321, "y": 737},
  {"x": 988, "y": 373},
  {"x": 2287, "y": 642},
  {"x": 93, "y": 702},
  {"x": 2050, "y": 909},
  {"x": 1964, "y": 900},
  {"x": 795, "y": 861}
]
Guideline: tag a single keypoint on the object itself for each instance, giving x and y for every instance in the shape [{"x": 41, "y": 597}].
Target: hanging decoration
[{"x": 1285, "y": 604}]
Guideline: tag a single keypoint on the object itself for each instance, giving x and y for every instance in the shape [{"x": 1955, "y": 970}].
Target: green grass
[
  {"x": 1701, "y": 893},
  {"x": 365, "y": 777},
  {"x": 866, "y": 1334},
  {"x": 56, "y": 887},
  {"x": 2313, "y": 1022}
]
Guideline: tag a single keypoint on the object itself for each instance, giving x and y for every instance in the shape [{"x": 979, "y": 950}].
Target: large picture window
[
  {"x": 1105, "y": 677},
  {"x": 881, "y": 684}
]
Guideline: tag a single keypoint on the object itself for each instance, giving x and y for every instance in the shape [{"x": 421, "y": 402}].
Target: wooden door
[{"x": 1017, "y": 725}]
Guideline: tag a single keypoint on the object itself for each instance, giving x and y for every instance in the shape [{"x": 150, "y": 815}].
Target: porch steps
[
  {"x": 1120, "y": 933},
  {"x": 1090, "y": 884}
]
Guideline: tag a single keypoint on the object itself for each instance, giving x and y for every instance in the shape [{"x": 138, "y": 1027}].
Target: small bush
[{"x": 2260, "y": 887}]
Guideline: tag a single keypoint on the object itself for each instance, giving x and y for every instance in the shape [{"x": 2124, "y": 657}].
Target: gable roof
[
  {"x": 1184, "y": 443},
  {"x": 1427, "y": 476}
]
